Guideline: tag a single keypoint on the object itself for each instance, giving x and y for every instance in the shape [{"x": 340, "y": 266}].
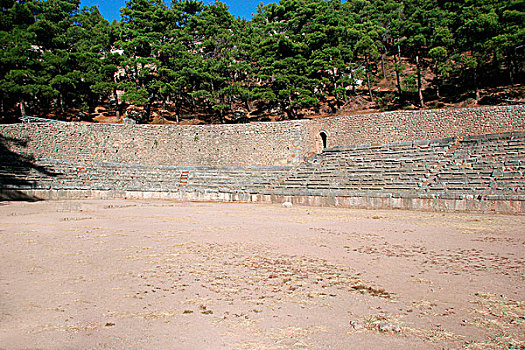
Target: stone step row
[
  {"x": 131, "y": 177},
  {"x": 468, "y": 166}
]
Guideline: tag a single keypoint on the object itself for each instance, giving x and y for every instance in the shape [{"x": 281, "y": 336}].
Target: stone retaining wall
[
  {"x": 383, "y": 128},
  {"x": 438, "y": 204},
  {"x": 219, "y": 145},
  {"x": 282, "y": 143}
]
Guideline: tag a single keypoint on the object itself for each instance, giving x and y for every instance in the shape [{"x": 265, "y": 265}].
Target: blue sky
[{"x": 110, "y": 9}]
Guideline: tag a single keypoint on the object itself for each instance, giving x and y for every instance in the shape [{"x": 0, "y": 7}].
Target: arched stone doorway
[{"x": 321, "y": 141}]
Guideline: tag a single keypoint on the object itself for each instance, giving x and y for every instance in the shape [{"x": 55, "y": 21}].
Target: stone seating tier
[{"x": 488, "y": 166}]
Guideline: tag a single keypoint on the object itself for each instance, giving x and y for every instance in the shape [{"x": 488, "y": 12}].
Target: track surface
[{"x": 165, "y": 275}]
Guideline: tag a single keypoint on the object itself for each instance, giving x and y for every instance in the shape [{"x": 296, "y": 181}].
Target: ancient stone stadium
[
  {"x": 439, "y": 160},
  {"x": 261, "y": 236}
]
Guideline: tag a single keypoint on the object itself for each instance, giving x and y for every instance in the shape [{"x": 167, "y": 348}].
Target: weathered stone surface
[
  {"x": 389, "y": 326},
  {"x": 383, "y": 128}
]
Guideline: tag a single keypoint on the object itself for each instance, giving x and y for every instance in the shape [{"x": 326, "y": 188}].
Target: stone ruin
[{"x": 441, "y": 160}]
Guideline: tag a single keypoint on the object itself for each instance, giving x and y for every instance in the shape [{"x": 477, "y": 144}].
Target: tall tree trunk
[
  {"x": 178, "y": 109},
  {"x": 148, "y": 111},
  {"x": 289, "y": 109},
  {"x": 22, "y": 107},
  {"x": 136, "y": 71},
  {"x": 61, "y": 102},
  {"x": 149, "y": 104},
  {"x": 476, "y": 85},
  {"x": 336, "y": 88},
  {"x": 353, "y": 80},
  {"x": 368, "y": 79},
  {"x": 115, "y": 97},
  {"x": 398, "y": 78},
  {"x": 383, "y": 65},
  {"x": 513, "y": 67},
  {"x": 419, "y": 84},
  {"x": 3, "y": 114}
]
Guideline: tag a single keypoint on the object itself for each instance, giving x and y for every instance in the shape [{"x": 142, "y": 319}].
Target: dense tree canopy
[{"x": 294, "y": 57}]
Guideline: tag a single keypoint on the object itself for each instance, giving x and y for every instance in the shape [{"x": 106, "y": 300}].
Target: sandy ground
[{"x": 164, "y": 275}]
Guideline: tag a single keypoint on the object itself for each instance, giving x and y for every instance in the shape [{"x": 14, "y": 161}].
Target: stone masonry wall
[
  {"x": 216, "y": 145},
  {"x": 383, "y": 128},
  {"x": 255, "y": 144}
]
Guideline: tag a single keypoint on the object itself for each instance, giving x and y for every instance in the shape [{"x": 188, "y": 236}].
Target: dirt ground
[{"x": 166, "y": 275}]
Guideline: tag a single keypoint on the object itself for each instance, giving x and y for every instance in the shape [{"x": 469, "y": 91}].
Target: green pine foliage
[{"x": 196, "y": 60}]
